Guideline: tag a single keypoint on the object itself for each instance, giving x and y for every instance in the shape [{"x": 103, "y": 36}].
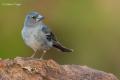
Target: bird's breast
[
  {"x": 34, "y": 38},
  {"x": 29, "y": 36}
]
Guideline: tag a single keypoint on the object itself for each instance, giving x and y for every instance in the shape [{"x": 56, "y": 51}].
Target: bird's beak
[{"x": 39, "y": 18}]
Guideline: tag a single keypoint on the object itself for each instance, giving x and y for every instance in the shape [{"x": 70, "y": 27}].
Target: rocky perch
[{"x": 34, "y": 69}]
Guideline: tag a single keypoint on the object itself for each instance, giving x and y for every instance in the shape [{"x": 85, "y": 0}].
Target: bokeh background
[{"x": 90, "y": 27}]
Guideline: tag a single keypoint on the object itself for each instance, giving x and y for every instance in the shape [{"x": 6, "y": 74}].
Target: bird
[{"x": 38, "y": 36}]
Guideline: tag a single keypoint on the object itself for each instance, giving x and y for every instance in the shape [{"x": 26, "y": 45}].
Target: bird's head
[{"x": 33, "y": 18}]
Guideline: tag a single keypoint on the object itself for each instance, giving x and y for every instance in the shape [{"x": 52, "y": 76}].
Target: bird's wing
[
  {"x": 49, "y": 34},
  {"x": 51, "y": 37}
]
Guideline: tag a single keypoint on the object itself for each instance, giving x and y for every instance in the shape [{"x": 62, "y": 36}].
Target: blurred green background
[{"x": 90, "y": 27}]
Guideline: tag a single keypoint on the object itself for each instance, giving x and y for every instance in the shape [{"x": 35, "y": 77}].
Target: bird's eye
[{"x": 34, "y": 17}]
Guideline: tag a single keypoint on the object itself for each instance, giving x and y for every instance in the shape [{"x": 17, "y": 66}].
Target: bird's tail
[{"x": 61, "y": 48}]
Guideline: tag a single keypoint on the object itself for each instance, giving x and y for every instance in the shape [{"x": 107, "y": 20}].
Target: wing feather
[{"x": 49, "y": 34}]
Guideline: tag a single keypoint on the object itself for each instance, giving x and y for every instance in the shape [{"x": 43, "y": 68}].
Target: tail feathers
[{"x": 61, "y": 48}]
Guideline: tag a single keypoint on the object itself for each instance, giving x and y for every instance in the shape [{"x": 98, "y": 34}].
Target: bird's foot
[{"x": 41, "y": 58}]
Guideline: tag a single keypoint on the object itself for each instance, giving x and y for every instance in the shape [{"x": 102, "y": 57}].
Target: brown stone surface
[{"x": 33, "y": 69}]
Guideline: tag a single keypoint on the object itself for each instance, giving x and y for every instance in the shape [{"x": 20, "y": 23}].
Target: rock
[{"x": 35, "y": 69}]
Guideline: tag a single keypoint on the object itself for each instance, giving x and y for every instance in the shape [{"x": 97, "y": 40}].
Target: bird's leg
[
  {"x": 33, "y": 54},
  {"x": 44, "y": 52}
]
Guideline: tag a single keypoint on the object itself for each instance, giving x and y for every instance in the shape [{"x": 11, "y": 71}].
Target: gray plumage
[{"x": 38, "y": 36}]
